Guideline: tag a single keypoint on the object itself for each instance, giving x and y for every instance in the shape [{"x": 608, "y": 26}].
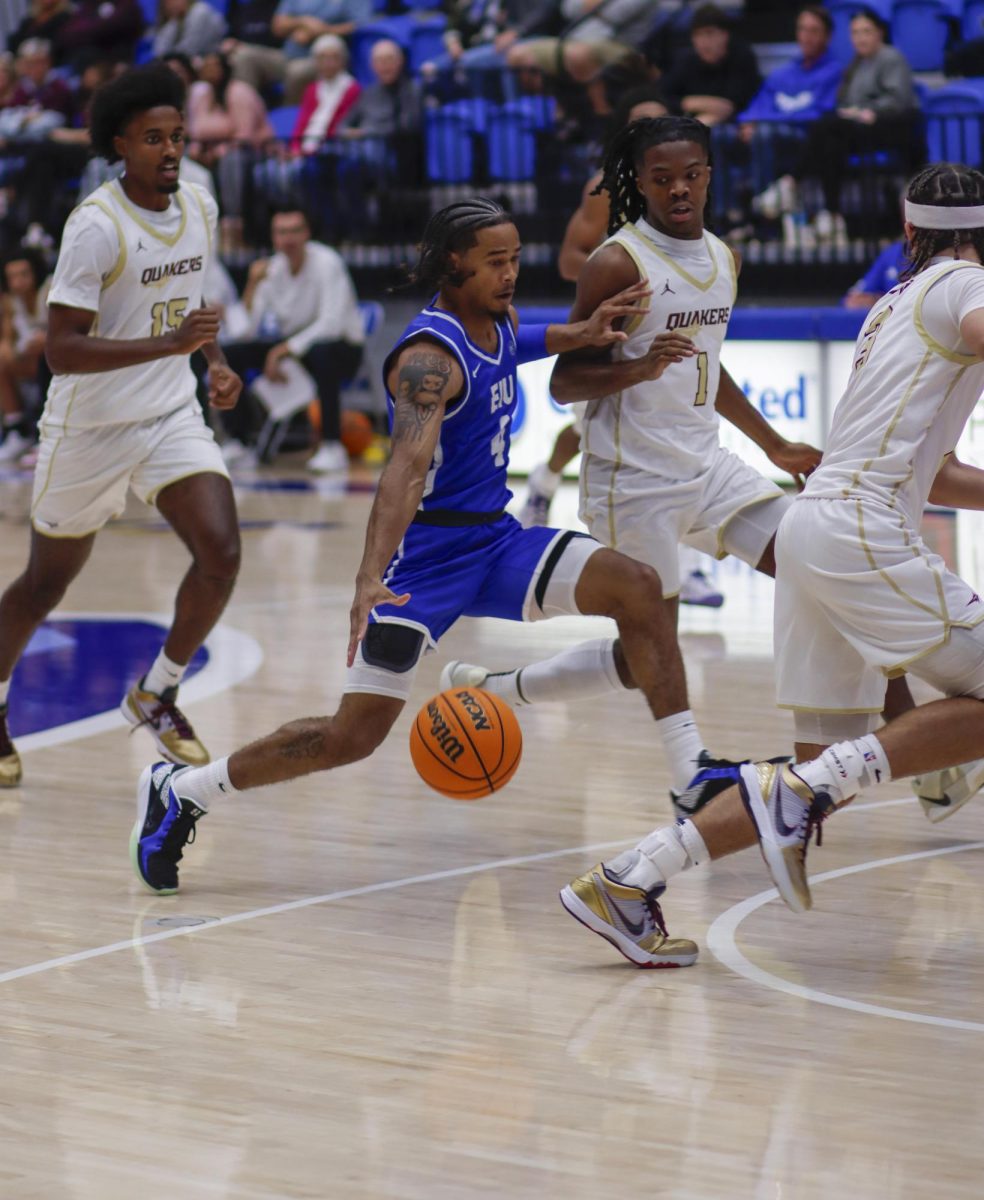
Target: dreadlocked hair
[
  {"x": 624, "y": 154},
  {"x": 451, "y": 231},
  {"x": 116, "y": 103},
  {"x": 945, "y": 185}
]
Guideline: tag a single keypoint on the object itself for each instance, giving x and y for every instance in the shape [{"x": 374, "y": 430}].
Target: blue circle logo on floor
[{"x": 81, "y": 667}]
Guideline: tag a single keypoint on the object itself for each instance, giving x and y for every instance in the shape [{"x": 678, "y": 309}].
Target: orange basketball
[
  {"x": 466, "y": 743},
  {"x": 356, "y": 432}
]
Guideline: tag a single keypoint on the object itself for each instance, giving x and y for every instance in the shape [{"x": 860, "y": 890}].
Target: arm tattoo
[{"x": 423, "y": 378}]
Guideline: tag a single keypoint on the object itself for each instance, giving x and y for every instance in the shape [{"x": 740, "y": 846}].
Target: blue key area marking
[{"x": 77, "y": 668}]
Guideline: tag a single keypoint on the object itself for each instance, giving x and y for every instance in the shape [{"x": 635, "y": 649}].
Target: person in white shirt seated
[{"x": 302, "y": 305}]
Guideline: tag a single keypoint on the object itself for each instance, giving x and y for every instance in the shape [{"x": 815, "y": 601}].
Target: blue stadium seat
[
  {"x": 283, "y": 120},
  {"x": 220, "y": 6},
  {"x": 954, "y": 121},
  {"x": 921, "y": 30},
  {"x": 475, "y": 110},
  {"x": 424, "y": 29},
  {"x": 511, "y": 146},
  {"x": 426, "y": 43},
  {"x": 449, "y": 144},
  {"x": 541, "y": 110},
  {"x": 972, "y": 22}
]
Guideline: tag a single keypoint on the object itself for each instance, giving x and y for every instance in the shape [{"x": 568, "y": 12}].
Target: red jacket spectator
[{"x": 327, "y": 99}]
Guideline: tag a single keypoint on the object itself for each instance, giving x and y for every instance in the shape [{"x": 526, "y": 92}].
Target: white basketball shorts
[
  {"x": 860, "y": 598},
  {"x": 729, "y": 509},
  {"x": 81, "y": 478}
]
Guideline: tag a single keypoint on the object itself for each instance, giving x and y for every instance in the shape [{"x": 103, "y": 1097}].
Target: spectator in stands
[
  {"x": 45, "y": 19},
  {"x": 252, "y": 47},
  {"x": 227, "y": 126},
  {"x": 718, "y": 76},
  {"x": 328, "y": 98},
  {"x": 393, "y": 104},
  {"x": 103, "y": 31},
  {"x": 478, "y": 38},
  {"x": 192, "y": 27},
  {"x": 23, "y": 322},
  {"x": 876, "y": 111},
  {"x": 881, "y": 276},
  {"x": 182, "y": 66},
  {"x": 597, "y": 35},
  {"x": 306, "y": 291},
  {"x": 805, "y": 88},
  {"x": 301, "y": 22},
  {"x": 40, "y": 100}
]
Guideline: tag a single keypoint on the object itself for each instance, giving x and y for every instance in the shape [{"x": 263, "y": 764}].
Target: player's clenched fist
[
  {"x": 199, "y": 326},
  {"x": 666, "y": 348}
]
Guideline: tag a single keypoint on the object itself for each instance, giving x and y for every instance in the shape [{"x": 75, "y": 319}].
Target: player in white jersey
[
  {"x": 859, "y": 596},
  {"x": 653, "y": 472},
  {"x": 126, "y": 311}
]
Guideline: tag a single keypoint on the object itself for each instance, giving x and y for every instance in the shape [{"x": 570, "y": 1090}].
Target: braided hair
[
  {"x": 619, "y": 172},
  {"x": 451, "y": 231},
  {"x": 947, "y": 185}
]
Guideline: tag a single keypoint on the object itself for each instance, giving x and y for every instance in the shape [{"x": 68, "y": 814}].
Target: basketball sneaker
[
  {"x": 167, "y": 724},
  {"x": 785, "y": 811},
  {"x": 165, "y": 824},
  {"x": 941, "y": 793},
  {"x": 499, "y": 683},
  {"x": 628, "y": 917},
  {"x": 697, "y": 589},
  {"x": 10, "y": 763},
  {"x": 714, "y": 776}
]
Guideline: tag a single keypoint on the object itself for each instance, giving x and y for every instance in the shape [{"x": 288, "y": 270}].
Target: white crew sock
[
  {"x": 162, "y": 675},
  {"x": 544, "y": 481},
  {"x": 845, "y": 769},
  {"x": 659, "y": 856},
  {"x": 683, "y": 746},
  {"x": 4, "y": 691},
  {"x": 205, "y": 785},
  {"x": 585, "y": 670}
]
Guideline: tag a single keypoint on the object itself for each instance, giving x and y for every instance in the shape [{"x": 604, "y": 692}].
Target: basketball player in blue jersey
[{"x": 439, "y": 543}]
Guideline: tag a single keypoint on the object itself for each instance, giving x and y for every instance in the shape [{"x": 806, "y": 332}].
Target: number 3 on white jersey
[{"x": 499, "y": 441}]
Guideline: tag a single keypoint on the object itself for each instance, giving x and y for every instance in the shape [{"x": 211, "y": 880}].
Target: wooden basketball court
[{"x": 367, "y": 991}]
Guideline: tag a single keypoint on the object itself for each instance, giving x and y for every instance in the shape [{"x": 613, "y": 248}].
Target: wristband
[{"x": 531, "y": 343}]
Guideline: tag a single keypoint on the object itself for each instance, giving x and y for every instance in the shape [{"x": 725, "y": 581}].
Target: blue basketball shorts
[{"x": 497, "y": 570}]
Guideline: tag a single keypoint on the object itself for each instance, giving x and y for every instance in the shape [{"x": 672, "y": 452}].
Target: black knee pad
[{"x": 393, "y": 647}]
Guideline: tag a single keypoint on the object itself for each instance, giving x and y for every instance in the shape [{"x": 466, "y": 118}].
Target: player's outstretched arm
[
  {"x": 798, "y": 458},
  {"x": 71, "y": 351},
  {"x": 423, "y": 379},
  {"x": 958, "y": 485},
  {"x": 588, "y": 373}
]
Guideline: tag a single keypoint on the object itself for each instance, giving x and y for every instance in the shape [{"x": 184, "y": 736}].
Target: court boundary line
[
  {"x": 722, "y": 944},
  {"x": 234, "y": 656},
  {"x": 388, "y": 885}
]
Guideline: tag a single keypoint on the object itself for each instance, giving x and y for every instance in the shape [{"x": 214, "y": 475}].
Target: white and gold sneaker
[
  {"x": 942, "y": 793},
  {"x": 10, "y": 763},
  {"x": 166, "y": 723},
  {"x": 785, "y": 812},
  {"x": 628, "y": 917},
  {"x": 499, "y": 683}
]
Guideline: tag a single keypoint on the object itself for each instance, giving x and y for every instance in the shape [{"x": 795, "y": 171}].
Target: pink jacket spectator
[
  {"x": 243, "y": 119},
  {"x": 323, "y": 105}
]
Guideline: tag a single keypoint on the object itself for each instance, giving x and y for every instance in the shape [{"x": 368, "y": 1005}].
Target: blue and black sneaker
[
  {"x": 165, "y": 824},
  {"x": 714, "y": 775}
]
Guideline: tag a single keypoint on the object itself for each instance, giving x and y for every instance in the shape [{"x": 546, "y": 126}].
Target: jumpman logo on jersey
[
  {"x": 140, "y": 246},
  {"x": 667, "y": 288}
]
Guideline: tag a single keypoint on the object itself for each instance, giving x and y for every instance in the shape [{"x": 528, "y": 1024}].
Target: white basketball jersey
[
  {"x": 141, "y": 272},
  {"x": 913, "y": 385},
  {"x": 669, "y": 426}
]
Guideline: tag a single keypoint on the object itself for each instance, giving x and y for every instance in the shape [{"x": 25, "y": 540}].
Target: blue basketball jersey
[{"x": 468, "y": 470}]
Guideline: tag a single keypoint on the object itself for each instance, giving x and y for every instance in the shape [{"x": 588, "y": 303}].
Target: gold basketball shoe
[
  {"x": 785, "y": 812},
  {"x": 942, "y": 793},
  {"x": 166, "y": 723},
  {"x": 10, "y": 763},
  {"x": 628, "y": 917}
]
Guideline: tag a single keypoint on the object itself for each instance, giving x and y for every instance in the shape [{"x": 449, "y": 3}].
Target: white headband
[{"x": 935, "y": 216}]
